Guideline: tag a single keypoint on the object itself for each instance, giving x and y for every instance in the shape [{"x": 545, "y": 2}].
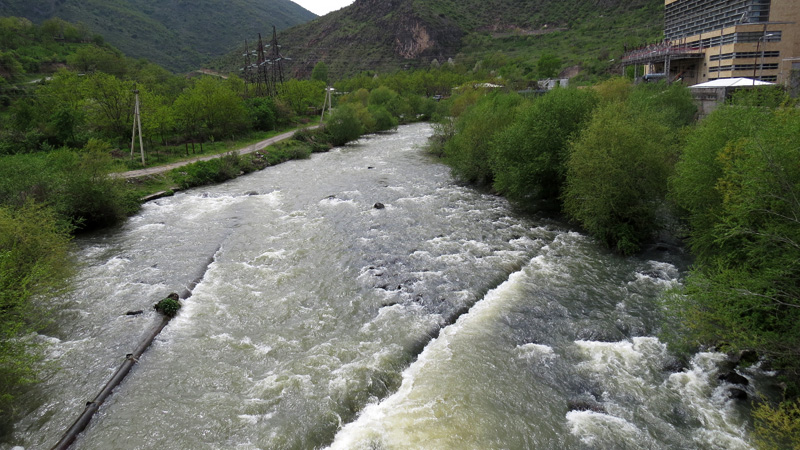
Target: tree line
[
  {"x": 62, "y": 134},
  {"x": 626, "y": 162}
]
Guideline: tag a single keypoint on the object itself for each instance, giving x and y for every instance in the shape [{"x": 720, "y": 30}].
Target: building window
[
  {"x": 684, "y": 18},
  {"x": 749, "y": 67},
  {"x": 741, "y": 55}
]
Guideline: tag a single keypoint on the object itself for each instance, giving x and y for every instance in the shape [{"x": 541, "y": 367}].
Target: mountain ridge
[
  {"x": 177, "y": 34},
  {"x": 392, "y": 34}
]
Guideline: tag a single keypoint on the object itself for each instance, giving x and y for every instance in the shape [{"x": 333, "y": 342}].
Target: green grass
[{"x": 162, "y": 155}]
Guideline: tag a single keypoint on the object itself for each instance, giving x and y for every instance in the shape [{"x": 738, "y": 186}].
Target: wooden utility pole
[
  {"x": 137, "y": 119},
  {"x": 328, "y": 102}
]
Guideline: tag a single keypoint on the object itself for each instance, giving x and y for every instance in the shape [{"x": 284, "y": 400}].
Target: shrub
[
  {"x": 76, "y": 185},
  {"x": 743, "y": 291},
  {"x": 34, "y": 260},
  {"x": 212, "y": 171},
  {"x": 383, "y": 119},
  {"x": 262, "y": 112},
  {"x": 344, "y": 125},
  {"x": 169, "y": 306},
  {"x": 778, "y": 428},
  {"x": 617, "y": 175},
  {"x": 468, "y": 152},
  {"x": 529, "y": 157}
]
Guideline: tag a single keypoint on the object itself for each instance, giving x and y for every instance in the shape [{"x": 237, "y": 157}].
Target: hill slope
[
  {"x": 178, "y": 34},
  {"x": 390, "y": 34}
]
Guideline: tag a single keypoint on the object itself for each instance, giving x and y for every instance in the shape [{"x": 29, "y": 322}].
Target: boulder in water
[
  {"x": 585, "y": 405},
  {"x": 737, "y": 394},
  {"x": 379, "y": 205},
  {"x": 733, "y": 378}
]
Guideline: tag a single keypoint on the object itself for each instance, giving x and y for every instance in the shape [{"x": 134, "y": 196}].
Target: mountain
[
  {"x": 180, "y": 35},
  {"x": 392, "y": 34}
]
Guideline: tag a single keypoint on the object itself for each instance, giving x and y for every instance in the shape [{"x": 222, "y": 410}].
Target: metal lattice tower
[{"x": 263, "y": 69}]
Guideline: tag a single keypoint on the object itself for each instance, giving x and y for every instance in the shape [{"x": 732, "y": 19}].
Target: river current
[{"x": 444, "y": 320}]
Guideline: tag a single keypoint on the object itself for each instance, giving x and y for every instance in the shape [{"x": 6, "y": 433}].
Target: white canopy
[{"x": 731, "y": 82}]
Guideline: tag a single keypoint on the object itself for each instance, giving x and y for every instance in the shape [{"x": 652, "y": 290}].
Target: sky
[{"x": 322, "y": 7}]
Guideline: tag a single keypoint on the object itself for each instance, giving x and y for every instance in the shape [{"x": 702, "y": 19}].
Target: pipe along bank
[{"x": 168, "y": 307}]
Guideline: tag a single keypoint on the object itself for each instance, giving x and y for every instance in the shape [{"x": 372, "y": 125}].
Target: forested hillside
[
  {"x": 179, "y": 35},
  {"x": 387, "y": 35}
]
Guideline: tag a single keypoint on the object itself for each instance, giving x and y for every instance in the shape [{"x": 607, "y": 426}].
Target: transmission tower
[
  {"x": 276, "y": 60},
  {"x": 262, "y": 68},
  {"x": 247, "y": 69}
]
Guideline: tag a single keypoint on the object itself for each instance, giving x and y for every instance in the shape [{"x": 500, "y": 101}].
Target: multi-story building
[{"x": 711, "y": 39}]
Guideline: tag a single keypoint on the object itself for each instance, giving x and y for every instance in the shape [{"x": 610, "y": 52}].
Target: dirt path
[{"x": 242, "y": 151}]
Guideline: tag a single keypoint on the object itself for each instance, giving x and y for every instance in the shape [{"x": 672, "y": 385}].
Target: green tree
[
  {"x": 10, "y": 68},
  {"x": 320, "y": 72},
  {"x": 344, "y": 125},
  {"x": 617, "y": 175},
  {"x": 743, "y": 293},
  {"x": 548, "y": 65},
  {"x": 302, "y": 95},
  {"x": 211, "y": 108},
  {"x": 91, "y": 58},
  {"x": 382, "y": 96},
  {"x": 111, "y": 105},
  {"x": 529, "y": 157},
  {"x": 262, "y": 113},
  {"x": 468, "y": 152},
  {"x": 694, "y": 186}
]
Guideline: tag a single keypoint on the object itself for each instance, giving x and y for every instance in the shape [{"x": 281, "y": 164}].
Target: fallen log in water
[{"x": 167, "y": 307}]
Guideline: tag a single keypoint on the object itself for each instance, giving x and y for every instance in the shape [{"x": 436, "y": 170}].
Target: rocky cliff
[{"x": 391, "y": 34}]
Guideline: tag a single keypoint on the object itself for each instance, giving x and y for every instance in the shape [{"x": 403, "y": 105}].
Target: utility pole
[
  {"x": 328, "y": 103},
  {"x": 137, "y": 119}
]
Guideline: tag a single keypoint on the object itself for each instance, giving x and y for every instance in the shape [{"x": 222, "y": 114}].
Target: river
[{"x": 445, "y": 320}]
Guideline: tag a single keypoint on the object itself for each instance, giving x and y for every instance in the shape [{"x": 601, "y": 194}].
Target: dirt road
[{"x": 242, "y": 151}]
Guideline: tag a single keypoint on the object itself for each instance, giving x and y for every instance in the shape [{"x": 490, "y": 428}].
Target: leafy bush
[
  {"x": 169, "y": 306},
  {"x": 34, "y": 260},
  {"x": 212, "y": 171},
  {"x": 529, "y": 157},
  {"x": 383, "y": 119},
  {"x": 672, "y": 102},
  {"x": 262, "y": 113},
  {"x": 288, "y": 150},
  {"x": 344, "y": 125},
  {"x": 617, "y": 175},
  {"x": 76, "y": 185},
  {"x": 778, "y": 428},
  {"x": 468, "y": 152},
  {"x": 743, "y": 292},
  {"x": 317, "y": 139},
  {"x": 693, "y": 188}
]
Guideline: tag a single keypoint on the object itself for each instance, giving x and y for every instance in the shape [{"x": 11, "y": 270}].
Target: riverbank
[{"x": 241, "y": 151}]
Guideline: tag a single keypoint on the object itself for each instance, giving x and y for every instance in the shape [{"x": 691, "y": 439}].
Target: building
[{"x": 711, "y": 39}]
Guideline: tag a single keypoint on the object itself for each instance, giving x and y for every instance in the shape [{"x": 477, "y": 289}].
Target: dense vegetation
[
  {"x": 180, "y": 36},
  {"x": 626, "y": 162},
  {"x": 62, "y": 135}
]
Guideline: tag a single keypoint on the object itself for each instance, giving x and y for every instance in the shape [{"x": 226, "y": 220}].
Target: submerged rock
[
  {"x": 733, "y": 378},
  {"x": 737, "y": 394},
  {"x": 585, "y": 405}
]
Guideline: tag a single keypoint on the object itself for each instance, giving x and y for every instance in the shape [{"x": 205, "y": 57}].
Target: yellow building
[{"x": 711, "y": 39}]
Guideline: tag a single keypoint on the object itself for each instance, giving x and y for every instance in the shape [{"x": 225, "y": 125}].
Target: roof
[{"x": 732, "y": 82}]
